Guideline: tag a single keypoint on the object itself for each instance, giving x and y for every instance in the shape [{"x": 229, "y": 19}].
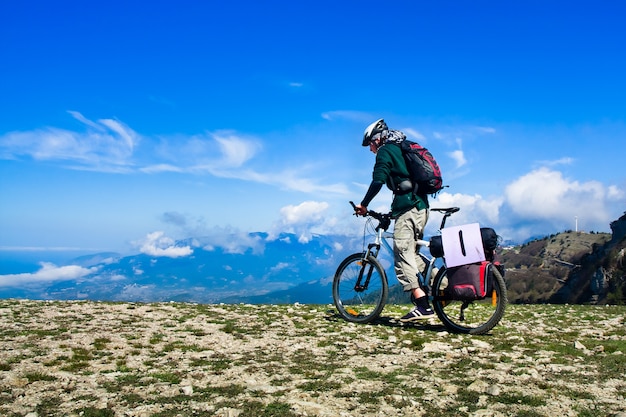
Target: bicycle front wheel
[
  {"x": 470, "y": 317},
  {"x": 360, "y": 288}
]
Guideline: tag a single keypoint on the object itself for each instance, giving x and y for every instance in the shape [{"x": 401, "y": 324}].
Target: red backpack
[{"x": 423, "y": 168}]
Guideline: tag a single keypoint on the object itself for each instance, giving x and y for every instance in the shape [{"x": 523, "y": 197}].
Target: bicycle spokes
[{"x": 469, "y": 316}]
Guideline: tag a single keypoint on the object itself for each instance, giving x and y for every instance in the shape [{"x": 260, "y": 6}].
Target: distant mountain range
[
  {"x": 568, "y": 267},
  {"x": 280, "y": 270}
]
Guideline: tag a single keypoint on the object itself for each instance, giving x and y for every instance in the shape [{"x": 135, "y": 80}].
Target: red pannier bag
[{"x": 472, "y": 281}]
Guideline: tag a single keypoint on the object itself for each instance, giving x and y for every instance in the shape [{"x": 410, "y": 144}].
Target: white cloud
[
  {"x": 539, "y": 203},
  {"x": 306, "y": 212},
  {"x": 48, "y": 273},
  {"x": 197, "y": 156},
  {"x": 106, "y": 145},
  {"x": 562, "y": 161},
  {"x": 221, "y": 153},
  {"x": 544, "y": 202},
  {"x": 118, "y": 277},
  {"x": 350, "y": 115},
  {"x": 232, "y": 241},
  {"x": 615, "y": 193},
  {"x": 414, "y": 134},
  {"x": 157, "y": 244},
  {"x": 279, "y": 267},
  {"x": 129, "y": 138},
  {"x": 474, "y": 208},
  {"x": 159, "y": 168},
  {"x": 235, "y": 150},
  {"x": 294, "y": 180},
  {"x": 459, "y": 157},
  {"x": 304, "y": 220},
  {"x": 78, "y": 116},
  {"x": 485, "y": 129},
  {"x": 544, "y": 194}
]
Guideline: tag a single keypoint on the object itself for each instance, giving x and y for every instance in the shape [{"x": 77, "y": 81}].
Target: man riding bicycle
[{"x": 409, "y": 209}]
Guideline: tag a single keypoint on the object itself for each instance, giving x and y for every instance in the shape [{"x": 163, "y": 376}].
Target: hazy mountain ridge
[
  {"x": 210, "y": 274},
  {"x": 572, "y": 267}
]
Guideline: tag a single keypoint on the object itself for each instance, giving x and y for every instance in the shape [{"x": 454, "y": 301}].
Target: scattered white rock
[
  {"x": 297, "y": 355},
  {"x": 493, "y": 390},
  {"x": 478, "y": 386}
]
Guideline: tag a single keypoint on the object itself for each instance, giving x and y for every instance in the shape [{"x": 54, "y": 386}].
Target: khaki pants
[{"x": 408, "y": 228}]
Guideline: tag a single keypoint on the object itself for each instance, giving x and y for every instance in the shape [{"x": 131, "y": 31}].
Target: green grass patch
[{"x": 39, "y": 376}]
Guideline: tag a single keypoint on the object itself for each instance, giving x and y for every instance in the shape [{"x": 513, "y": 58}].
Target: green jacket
[{"x": 391, "y": 170}]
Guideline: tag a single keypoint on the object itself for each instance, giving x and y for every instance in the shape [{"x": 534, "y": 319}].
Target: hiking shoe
[{"x": 417, "y": 313}]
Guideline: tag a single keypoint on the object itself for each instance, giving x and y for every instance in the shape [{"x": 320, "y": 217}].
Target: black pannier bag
[
  {"x": 490, "y": 242},
  {"x": 436, "y": 246},
  {"x": 472, "y": 281}
]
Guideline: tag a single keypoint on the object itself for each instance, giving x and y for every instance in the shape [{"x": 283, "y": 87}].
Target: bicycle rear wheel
[
  {"x": 360, "y": 288},
  {"x": 470, "y": 317}
]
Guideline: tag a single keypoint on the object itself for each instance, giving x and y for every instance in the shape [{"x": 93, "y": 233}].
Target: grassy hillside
[{"x": 538, "y": 269}]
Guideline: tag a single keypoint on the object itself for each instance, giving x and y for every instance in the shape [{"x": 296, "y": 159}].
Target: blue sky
[{"x": 127, "y": 125}]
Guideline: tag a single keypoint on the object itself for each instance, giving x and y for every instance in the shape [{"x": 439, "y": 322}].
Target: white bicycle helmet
[{"x": 379, "y": 126}]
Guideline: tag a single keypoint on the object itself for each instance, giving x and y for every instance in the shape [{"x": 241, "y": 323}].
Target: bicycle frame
[
  {"x": 373, "y": 249},
  {"x": 381, "y": 240}
]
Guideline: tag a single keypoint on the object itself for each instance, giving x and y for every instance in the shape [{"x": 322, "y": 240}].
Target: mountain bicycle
[{"x": 360, "y": 285}]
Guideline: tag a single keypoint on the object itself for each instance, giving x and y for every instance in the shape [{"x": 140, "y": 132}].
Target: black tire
[
  {"x": 360, "y": 304},
  {"x": 479, "y": 316}
]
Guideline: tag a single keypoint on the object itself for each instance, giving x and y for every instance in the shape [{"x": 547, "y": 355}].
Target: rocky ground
[{"x": 175, "y": 359}]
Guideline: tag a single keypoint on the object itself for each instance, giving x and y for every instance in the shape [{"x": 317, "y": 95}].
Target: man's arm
[{"x": 375, "y": 187}]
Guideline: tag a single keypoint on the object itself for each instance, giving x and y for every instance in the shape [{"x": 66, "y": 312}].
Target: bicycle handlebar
[{"x": 384, "y": 219}]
